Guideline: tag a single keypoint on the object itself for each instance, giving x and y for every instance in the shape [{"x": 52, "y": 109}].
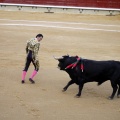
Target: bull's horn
[{"x": 58, "y": 58}]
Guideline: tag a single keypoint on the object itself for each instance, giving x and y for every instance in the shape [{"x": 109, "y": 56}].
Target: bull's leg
[
  {"x": 80, "y": 90},
  {"x": 118, "y": 94},
  {"x": 114, "y": 86},
  {"x": 69, "y": 83}
]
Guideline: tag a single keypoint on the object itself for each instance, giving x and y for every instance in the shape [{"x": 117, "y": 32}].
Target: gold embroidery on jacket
[{"x": 33, "y": 45}]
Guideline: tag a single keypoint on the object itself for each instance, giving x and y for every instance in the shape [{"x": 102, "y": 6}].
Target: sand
[{"x": 91, "y": 37}]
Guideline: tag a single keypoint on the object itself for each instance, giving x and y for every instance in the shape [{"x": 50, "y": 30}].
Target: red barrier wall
[{"x": 76, "y": 3}]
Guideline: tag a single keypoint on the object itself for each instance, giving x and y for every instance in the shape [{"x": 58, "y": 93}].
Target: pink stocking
[
  {"x": 23, "y": 75},
  {"x": 33, "y": 74}
]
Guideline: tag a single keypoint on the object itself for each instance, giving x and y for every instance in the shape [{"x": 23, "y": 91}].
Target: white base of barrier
[{"x": 58, "y": 9}]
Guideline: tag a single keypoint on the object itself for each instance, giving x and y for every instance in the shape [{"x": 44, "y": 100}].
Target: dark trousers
[{"x": 29, "y": 59}]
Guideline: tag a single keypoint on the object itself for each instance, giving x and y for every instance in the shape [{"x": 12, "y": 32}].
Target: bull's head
[{"x": 64, "y": 61}]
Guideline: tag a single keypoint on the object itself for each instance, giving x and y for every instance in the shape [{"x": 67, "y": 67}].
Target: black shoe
[
  {"x": 32, "y": 81},
  {"x": 22, "y": 81}
]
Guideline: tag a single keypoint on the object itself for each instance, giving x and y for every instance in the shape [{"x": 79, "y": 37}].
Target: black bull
[{"x": 83, "y": 70}]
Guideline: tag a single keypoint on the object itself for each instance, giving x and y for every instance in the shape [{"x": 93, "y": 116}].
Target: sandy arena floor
[{"x": 92, "y": 37}]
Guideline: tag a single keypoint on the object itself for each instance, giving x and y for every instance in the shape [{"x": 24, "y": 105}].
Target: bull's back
[{"x": 95, "y": 68}]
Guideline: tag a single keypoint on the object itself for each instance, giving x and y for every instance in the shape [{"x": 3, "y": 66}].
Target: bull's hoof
[
  {"x": 110, "y": 98},
  {"x": 77, "y": 96},
  {"x": 118, "y": 96},
  {"x": 64, "y": 90}
]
